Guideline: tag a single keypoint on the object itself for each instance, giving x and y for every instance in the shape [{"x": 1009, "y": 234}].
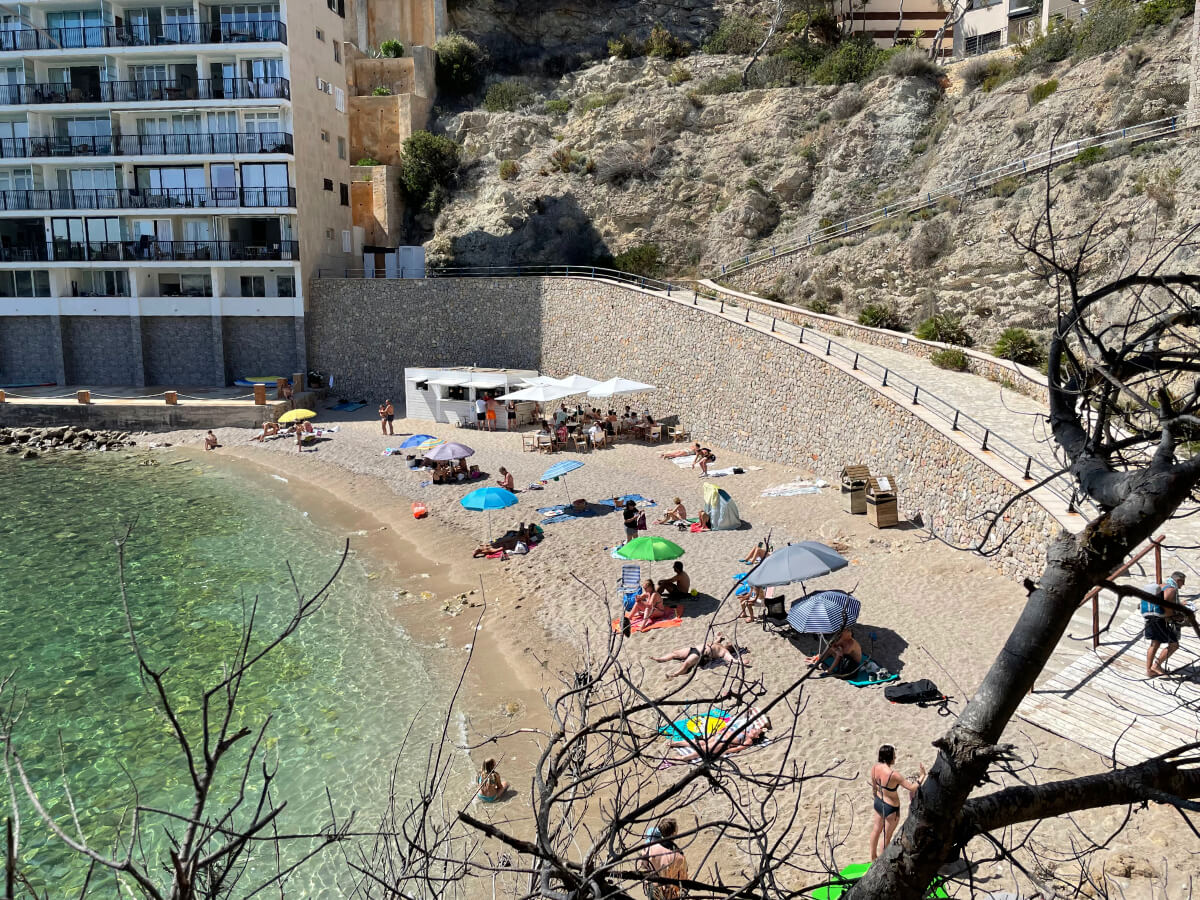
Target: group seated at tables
[
  {"x": 599, "y": 425},
  {"x": 450, "y": 472}
]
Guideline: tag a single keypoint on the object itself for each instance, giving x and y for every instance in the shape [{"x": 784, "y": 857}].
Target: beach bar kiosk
[
  {"x": 854, "y": 489},
  {"x": 449, "y": 395}
]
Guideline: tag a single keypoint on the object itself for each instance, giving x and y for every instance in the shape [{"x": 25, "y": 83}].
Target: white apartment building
[{"x": 183, "y": 163}]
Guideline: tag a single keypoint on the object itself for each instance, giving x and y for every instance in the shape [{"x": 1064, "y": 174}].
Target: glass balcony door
[
  {"x": 173, "y": 185},
  {"x": 76, "y": 28}
]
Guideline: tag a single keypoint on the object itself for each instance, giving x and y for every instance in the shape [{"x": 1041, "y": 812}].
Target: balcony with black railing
[
  {"x": 101, "y": 37},
  {"x": 173, "y": 90},
  {"x": 145, "y": 198},
  {"x": 150, "y": 250},
  {"x": 147, "y": 145}
]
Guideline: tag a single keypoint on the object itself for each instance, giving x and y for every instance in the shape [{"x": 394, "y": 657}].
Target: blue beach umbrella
[
  {"x": 420, "y": 441},
  {"x": 560, "y": 469},
  {"x": 825, "y": 612},
  {"x": 489, "y": 498}
]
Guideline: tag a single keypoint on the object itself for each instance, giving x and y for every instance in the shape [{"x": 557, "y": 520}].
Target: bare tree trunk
[
  {"x": 775, "y": 20},
  {"x": 899, "y": 24}
]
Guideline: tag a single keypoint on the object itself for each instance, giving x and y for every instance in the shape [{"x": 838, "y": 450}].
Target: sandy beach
[{"x": 928, "y": 610}]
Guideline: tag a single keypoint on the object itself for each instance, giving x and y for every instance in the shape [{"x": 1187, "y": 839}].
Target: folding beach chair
[{"x": 631, "y": 583}]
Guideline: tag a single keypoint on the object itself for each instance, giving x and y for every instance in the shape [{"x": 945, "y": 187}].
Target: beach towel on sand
[
  {"x": 699, "y": 725},
  {"x": 657, "y": 623}
]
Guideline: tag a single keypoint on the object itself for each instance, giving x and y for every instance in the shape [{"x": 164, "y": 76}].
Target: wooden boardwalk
[{"x": 1103, "y": 700}]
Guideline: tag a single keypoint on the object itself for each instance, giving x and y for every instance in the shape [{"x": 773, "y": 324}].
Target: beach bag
[
  {"x": 921, "y": 691},
  {"x": 1149, "y": 607},
  {"x": 521, "y": 547},
  {"x": 641, "y": 522}
]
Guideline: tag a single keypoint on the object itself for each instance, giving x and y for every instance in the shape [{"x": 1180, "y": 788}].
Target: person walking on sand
[
  {"x": 491, "y": 786},
  {"x": 1163, "y": 624},
  {"x": 387, "y": 414},
  {"x": 490, "y": 412},
  {"x": 664, "y": 860},
  {"x": 885, "y": 784}
]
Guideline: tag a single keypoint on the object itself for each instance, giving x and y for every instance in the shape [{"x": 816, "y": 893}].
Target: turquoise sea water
[{"x": 343, "y": 691}]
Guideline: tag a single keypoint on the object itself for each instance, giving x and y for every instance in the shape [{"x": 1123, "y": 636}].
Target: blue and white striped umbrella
[
  {"x": 560, "y": 469},
  {"x": 825, "y": 612}
]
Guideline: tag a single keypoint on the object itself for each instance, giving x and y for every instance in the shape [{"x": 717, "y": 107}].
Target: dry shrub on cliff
[{"x": 929, "y": 242}]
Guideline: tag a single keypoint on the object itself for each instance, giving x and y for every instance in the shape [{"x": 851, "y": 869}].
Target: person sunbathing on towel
[
  {"x": 270, "y": 429},
  {"x": 677, "y": 513},
  {"x": 758, "y": 554},
  {"x": 676, "y": 454},
  {"x": 647, "y": 606},
  {"x": 844, "y": 656},
  {"x": 722, "y": 648},
  {"x": 732, "y": 738}
]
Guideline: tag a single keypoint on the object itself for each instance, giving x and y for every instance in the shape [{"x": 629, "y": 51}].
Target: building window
[
  {"x": 345, "y": 242},
  {"x": 285, "y": 286},
  {"x": 339, "y": 99},
  {"x": 324, "y": 86},
  {"x": 981, "y": 43},
  {"x": 344, "y": 193},
  {"x": 324, "y": 135},
  {"x": 329, "y": 234},
  {"x": 254, "y": 286},
  {"x": 320, "y": 35},
  {"x": 337, "y": 52},
  {"x": 341, "y": 148},
  {"x": 25, "y": 284},
  {"x": 338, "y": 6},
  {"x": 329, "y": 184}
]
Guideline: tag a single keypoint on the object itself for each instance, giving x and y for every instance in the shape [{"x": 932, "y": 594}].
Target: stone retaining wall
[
  {"x": 733, "y": 385},
  {"x": 1018, "y": 378}
]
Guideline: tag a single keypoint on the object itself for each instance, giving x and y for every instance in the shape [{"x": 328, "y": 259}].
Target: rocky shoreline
[{"x": 33, "y": 442}]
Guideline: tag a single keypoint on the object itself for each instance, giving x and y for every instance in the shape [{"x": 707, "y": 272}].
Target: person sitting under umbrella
[
  {"x": 722, "y": 648},
  {"x": 647, "y": 606},
  {"x": 678, "y": 586},
  {"x": 843, "y": 657}
]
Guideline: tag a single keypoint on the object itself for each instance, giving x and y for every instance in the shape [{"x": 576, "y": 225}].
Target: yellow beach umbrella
[{"x": 295, "y": 415}]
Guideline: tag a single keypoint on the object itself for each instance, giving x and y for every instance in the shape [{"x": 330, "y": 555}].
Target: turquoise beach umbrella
[{"x": 489, "y": 498}]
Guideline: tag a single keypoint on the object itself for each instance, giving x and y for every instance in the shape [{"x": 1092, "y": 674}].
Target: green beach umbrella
[{"x": 652, "y": 548}]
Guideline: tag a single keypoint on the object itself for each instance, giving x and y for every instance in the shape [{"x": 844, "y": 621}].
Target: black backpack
[{"x": 922, "y": 692}]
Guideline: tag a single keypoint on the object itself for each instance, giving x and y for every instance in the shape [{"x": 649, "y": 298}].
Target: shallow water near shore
[{"x": 206, "y": 538}]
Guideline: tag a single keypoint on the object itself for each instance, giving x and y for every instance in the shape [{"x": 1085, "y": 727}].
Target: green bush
[
  {"x": 509, "y": 170},
  {"x": 1160, "y": 12},
  {"x": 381, "y": 90},
  {"x": 881, "y": 315},
  {"x": 679, "y": 74},
  {"x": 1107, "y": 25},
  {"x": 624, "y": 47},
  {"x": 954, "y": 360},
  {"x": 1019, "y": 346},
  {"x": 1006, "y": 186},
  {"x": 1089, "y": 156},
  {"x": 984, "y": 72},
  {"x": 391, "y": 49},
  {"x": 855, "y": 59},
  {"x": 665, "y": 45},
  {"x": 460, "y": 65},
  {"x": 734, "y": 34},
  {"x": 644, "y": 259},
  {"x": 597, "y": 101},
  {"x": 945, "y": 329},
  {"x": 368, "y": 161},
  {"x": 1046, "y": 49},
  {"x": 913, "y": 63},
  {"x": 427, "y": 166},
  {"x": 557, "y": 107},
  {"x": 507, "y": 96},
  {"x": 1040, "y": 92},
  {"x": 720, "y": 84}
]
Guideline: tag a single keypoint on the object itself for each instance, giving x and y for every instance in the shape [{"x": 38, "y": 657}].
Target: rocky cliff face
[{"x": 642, "y": 157}]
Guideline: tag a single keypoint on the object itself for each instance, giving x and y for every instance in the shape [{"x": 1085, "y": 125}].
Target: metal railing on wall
[
  {"x": 1033, "y": 469},
  {"x": 1056, "y": 155}
]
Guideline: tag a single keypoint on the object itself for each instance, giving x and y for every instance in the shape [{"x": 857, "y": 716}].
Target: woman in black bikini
[
  {"x": 511, "y": 407},
  {"x": 885, "y": 783},
  {"x": 722, "y": 648}
]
